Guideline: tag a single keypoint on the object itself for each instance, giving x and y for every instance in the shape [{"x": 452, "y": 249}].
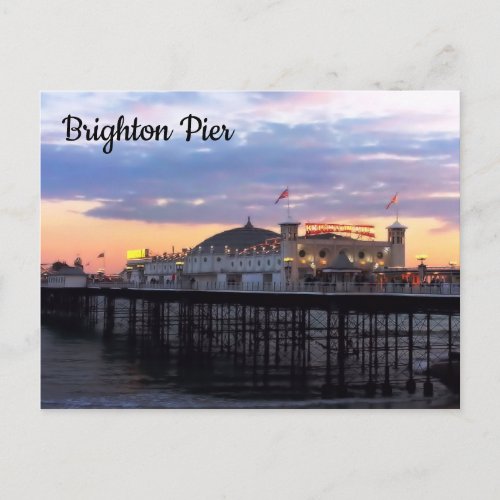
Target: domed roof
[
  {"x": 342, "y": 262},
  {"x": 240, "y": 238}
]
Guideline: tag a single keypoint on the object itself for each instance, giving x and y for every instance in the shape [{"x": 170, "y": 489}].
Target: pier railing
[{"x": 322, "y": 288}]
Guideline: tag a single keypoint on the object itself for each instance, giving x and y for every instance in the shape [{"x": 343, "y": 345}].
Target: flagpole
[{"x": 288, "y": 202}]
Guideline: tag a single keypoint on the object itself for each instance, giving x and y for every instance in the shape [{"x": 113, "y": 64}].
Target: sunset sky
[{"x": 343, "y": 156}]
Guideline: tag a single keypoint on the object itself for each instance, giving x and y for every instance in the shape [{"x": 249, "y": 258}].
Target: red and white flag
[
  {"x": 283, "y": 195},
  {"x": 394, "y": 199}
]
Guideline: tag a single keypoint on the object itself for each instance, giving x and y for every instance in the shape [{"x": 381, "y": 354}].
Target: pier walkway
[{"x": 449, "y": 289}]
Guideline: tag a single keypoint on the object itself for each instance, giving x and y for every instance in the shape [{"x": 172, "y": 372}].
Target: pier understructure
[{"x": 338, "y": 346}]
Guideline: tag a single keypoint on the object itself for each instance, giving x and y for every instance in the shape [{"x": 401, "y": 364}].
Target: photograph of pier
[{"x": 272, "y": 250}]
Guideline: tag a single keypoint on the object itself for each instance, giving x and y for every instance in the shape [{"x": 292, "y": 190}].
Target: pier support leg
[
  {"x": 411, "y": 386},
  {"x": 266, "y": 332},
  {"x": 277, "y": 343},
  {"x": 327, "y": 390},
  {"x": 386, "y": 387},
  {"x": 370, "y": 388},
  {"x": 396, "y": 340},
  {"x": 428, "y": 385},
  {"x": 341, "y": 387}
]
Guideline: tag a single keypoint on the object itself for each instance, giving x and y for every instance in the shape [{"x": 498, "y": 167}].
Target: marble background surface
[{"x": 286, "y": 45}]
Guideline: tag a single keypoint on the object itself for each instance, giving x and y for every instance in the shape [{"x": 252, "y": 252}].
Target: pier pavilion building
[
  {"x": 61, "y": 275},
  {"x": 252, "y": 255}
]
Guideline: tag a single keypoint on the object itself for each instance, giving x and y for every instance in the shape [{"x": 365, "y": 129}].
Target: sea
[{"x": 83, "y": 369}]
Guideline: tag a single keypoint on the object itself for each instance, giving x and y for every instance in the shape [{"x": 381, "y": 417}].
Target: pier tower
[
  {"x": 396, "y": 237},
  {"x": 289, "y": 261}
]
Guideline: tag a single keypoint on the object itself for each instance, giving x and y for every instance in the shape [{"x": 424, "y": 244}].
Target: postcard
[{"x": 250, "y": 249}]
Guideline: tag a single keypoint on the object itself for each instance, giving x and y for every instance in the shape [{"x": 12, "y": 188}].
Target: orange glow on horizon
[{"x": 66, "y": 232}]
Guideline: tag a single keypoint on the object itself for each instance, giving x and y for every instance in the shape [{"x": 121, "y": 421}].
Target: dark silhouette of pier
[{"x": 359, "y": 345}]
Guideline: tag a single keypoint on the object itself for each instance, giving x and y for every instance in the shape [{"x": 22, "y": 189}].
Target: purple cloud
[{"x": 340, "y": 154}]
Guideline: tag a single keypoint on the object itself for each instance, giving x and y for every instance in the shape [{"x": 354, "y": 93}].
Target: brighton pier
[{"x": 325, "y": 314}]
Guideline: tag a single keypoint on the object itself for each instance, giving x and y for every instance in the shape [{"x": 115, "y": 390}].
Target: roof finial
[{"x": 248, "y": 225}]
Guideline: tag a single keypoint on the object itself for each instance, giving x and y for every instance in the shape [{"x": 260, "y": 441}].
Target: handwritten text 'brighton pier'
[{"x": 194, "y": 127}]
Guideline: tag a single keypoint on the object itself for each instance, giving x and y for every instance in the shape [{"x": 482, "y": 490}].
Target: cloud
[{"x": 343, "y": 155}]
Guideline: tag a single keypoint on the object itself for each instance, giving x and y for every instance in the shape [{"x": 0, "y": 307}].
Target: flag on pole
[
  {"x": 283, "y": 195},
  {"x": 101, "y": 255},
  {"x": 394, "y": 200}
]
